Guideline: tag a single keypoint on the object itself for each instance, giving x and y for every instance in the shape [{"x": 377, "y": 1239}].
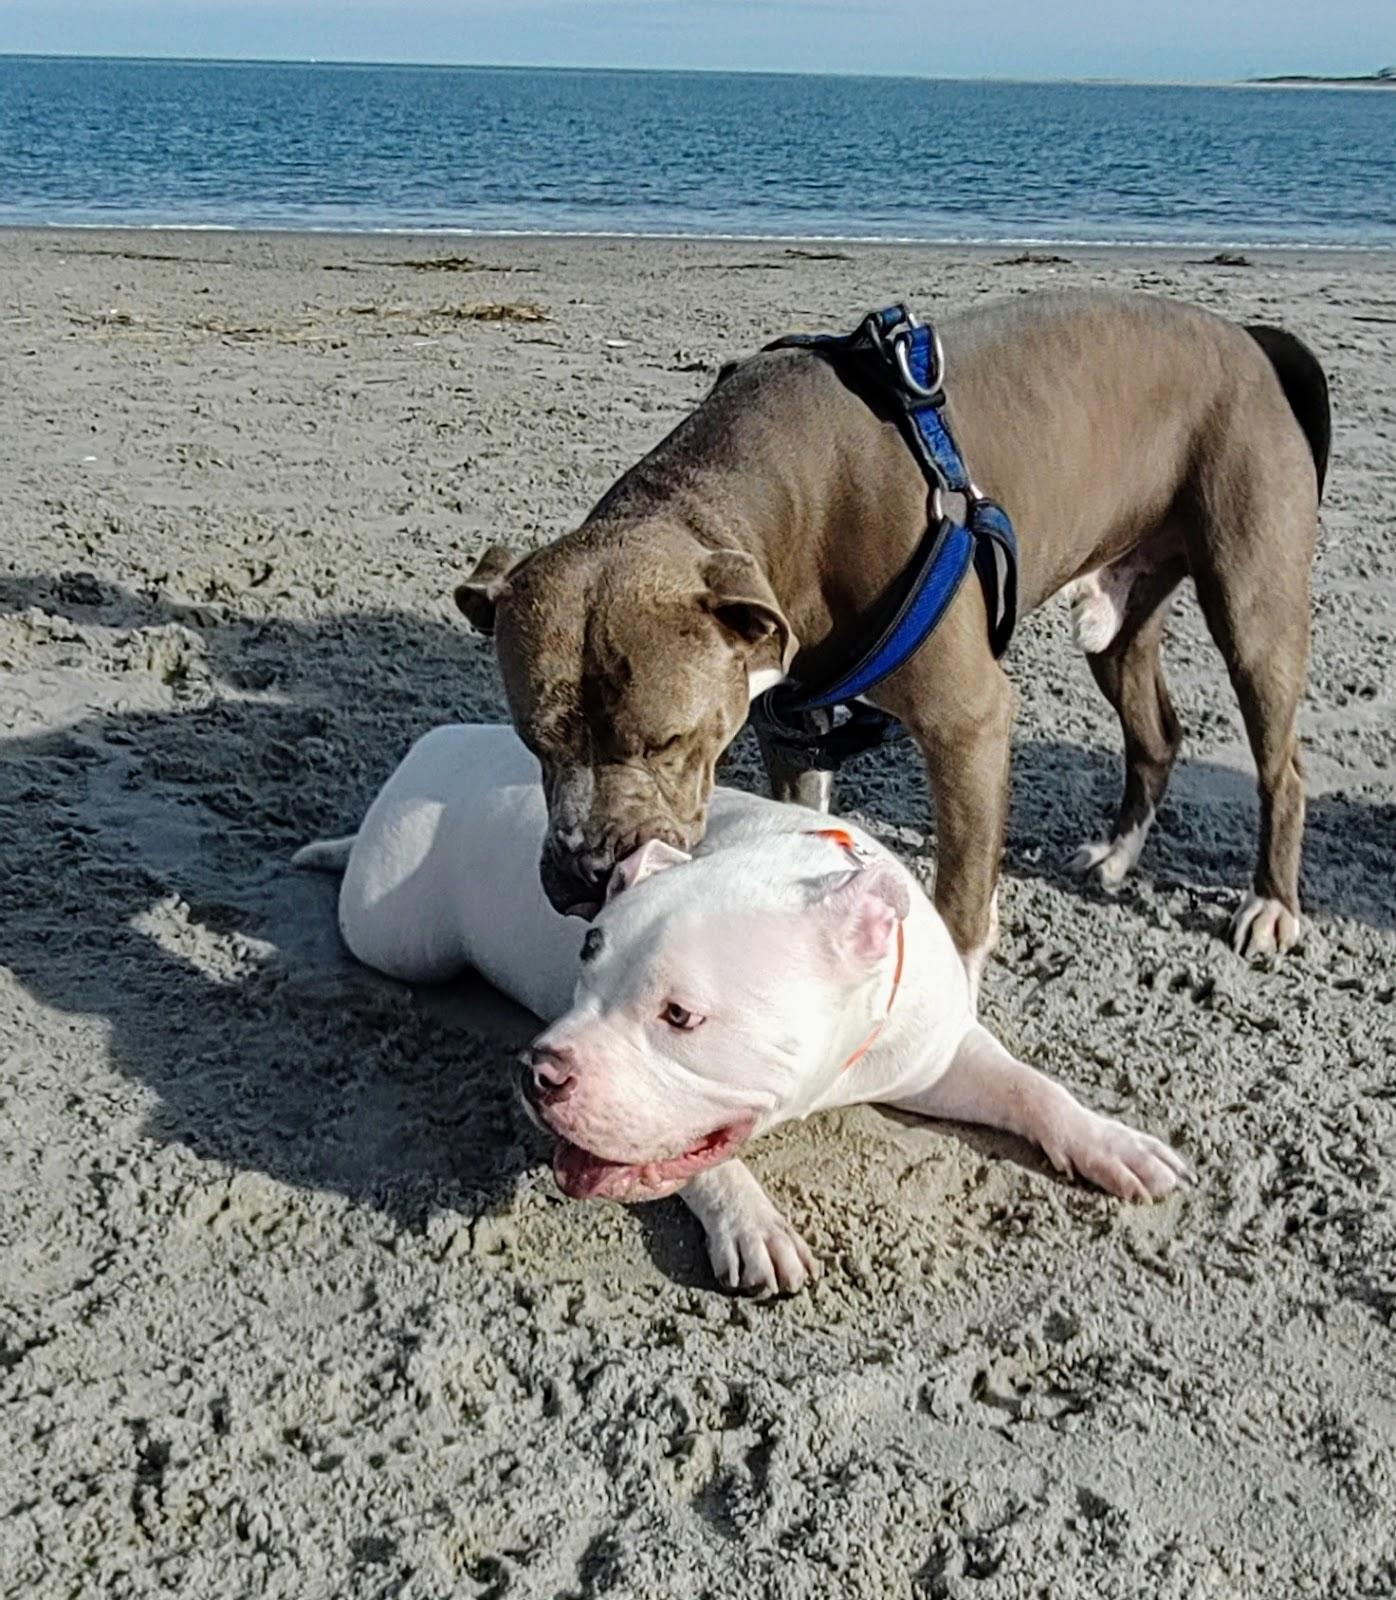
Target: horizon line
[{"x": 1278, "y": 80}]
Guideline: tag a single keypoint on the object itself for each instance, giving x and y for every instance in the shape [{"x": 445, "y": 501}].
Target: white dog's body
[{"x": 787, "y": 968}]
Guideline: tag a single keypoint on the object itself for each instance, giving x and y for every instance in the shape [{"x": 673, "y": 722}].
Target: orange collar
[{"x": 842, "y": 837}]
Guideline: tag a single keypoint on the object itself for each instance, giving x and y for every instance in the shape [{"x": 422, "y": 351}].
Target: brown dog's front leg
[
  {"x": 965, "y": 733},
  {"x": 790, "y": 782}
]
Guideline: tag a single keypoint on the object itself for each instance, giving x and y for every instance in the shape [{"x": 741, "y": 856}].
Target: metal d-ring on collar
[{"x": 900, "y": 360}]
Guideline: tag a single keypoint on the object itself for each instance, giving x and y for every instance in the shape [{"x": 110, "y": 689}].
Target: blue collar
[{"x": 899, "y": 360}]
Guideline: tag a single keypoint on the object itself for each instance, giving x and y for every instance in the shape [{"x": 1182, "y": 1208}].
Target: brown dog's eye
[
  {"x": 677, "y": 1017},
  {"x": 668, "y": 745}
]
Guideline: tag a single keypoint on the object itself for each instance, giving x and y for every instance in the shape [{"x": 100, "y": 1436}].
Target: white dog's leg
[
  {"x": 985, "y": 1084},
  {"x": 751, "y": 1246}
]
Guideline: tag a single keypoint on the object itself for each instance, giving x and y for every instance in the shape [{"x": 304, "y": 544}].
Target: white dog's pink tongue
[{"x": 584, "y": 1176}]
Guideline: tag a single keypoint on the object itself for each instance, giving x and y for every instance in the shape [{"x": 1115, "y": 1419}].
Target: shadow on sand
[{"x": 147, "y": 885}]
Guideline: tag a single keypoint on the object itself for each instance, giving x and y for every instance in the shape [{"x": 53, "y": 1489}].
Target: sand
[{"x": 289, "y": 1304}]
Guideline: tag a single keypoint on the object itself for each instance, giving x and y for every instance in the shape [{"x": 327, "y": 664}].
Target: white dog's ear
[
  {"x": 477, "y": 598},
  {"x": 643, "y": 863},
  {"x": 863, "y": 908}
]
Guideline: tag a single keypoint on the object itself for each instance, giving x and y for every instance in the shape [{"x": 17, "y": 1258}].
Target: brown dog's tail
[{"x": 1306, "y": 388}]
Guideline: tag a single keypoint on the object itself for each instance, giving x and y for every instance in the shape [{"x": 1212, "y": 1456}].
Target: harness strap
[
  {"x": 937, "y": 584},
  {"x": 845, "y": 840},
  {"x": 901, "y": 361},
  {"x": 995, "y": 544}
]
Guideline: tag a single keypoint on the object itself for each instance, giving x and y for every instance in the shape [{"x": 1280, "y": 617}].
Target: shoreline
[
  {"x": 1369, "y": 82},
  {"x": 1123, "y": 251}
]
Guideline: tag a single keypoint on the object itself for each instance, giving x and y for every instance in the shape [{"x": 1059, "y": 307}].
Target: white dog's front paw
[
  {"x": 1263, "y": 927},
  {"x": 1117, "y": 1158},
  {"x": 762, "y": 1255},
  {"x": 750, "y": 1245}
]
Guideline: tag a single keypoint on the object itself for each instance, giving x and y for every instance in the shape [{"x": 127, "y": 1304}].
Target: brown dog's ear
[
  {"x": 479, "y": 595},
  {"x": 740, "y": 597}
]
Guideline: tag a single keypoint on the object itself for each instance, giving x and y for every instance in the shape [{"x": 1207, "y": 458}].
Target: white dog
[{"x": 784, "y": 969}]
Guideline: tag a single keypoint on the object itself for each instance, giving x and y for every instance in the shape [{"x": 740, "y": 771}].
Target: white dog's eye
[{"x": 677, "y": 1017}]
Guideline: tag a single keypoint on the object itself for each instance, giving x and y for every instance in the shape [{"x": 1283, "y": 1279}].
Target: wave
[{"x": 1009, "y": 240}]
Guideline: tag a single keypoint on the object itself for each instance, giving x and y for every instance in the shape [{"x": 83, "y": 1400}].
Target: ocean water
[{"x": 254, "y": 145}]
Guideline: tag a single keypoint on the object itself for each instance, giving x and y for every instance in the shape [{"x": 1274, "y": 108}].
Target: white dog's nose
[{"x": 552, "y": 1066}]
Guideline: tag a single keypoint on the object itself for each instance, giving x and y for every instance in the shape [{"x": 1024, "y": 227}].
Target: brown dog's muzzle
[
  {"x": 596, "y": 817},
  {"x": 594, "y": 821},
  {"x": 574, "y": 879}
]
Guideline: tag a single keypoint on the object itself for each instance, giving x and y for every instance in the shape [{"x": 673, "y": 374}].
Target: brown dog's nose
[
  {"x": 575, "y": 884},
  {"x": 552, "y": 1072}
]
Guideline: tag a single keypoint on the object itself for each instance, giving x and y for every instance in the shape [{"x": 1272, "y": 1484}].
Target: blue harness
[{"x": 896, "y": 363}]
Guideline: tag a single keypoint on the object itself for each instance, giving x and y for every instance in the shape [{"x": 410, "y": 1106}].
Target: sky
[{"x": 1179, "y": 39}]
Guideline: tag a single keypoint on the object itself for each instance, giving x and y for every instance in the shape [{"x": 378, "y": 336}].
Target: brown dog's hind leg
[
  {"x": 1130, "y": 675},
  {"x": 1253, "y": 586}
]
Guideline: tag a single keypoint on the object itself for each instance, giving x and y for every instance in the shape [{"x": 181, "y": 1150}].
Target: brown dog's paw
[{"x": 1263, "y": 927}]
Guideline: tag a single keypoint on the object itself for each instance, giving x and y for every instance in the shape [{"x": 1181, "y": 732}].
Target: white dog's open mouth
[{"x": 584, "y": 1176}]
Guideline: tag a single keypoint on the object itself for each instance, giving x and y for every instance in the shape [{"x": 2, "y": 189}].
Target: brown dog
[{"x": 1133, "y": 441}]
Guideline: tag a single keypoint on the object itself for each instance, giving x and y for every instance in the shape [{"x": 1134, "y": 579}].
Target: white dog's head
[{"x": 718, "y": 996}]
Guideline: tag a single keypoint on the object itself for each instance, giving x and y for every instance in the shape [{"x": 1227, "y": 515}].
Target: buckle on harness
[
  {"x": 896, "y": 335},
  {"x": 818, "y": 739}
]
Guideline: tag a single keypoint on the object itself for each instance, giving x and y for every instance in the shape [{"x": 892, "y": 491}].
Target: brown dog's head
[{"x": 628, "y": 671}]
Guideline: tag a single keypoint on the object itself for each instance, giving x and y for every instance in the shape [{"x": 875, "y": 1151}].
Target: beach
[{"x": 289, "y": 1302}]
